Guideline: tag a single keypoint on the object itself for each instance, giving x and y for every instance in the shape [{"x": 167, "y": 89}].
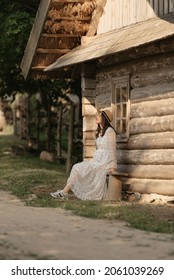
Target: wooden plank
[
  {"x": 166, "y": 7},
  {"x": 118, "y": 173},
  {"x": 153, "y": 156},
  {"x": 67, "y": 1},
  {"x": 150, "y": 8},
  {"x": 52, "y": 51},
  {"x": 156, "y": 7},
  {"x": 38, "y": 67},
  {"x": 155, "y": 108},
  {"x": 151, "y": 124},
  {"x": 148, "y": 171},
  {"x": 45, "y": 35},
  {"x": 171, "y": 5},
  {"x": 163, "y": 187},
  {"x": 161, "y": 7},
  {"x": 73, "y": 18},
  {"x": 34, "y": 36}
]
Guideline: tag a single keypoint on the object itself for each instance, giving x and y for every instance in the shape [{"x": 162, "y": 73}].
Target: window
[{"x": 121, "y": 107}]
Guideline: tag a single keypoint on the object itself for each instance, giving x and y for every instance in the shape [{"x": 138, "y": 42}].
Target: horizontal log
[
  {"x": 67, "y": 1},
  {"x": 152, "y": 92},
  {"x": 88, "y": 109},
  {"x": 148, "y": 186},
  {"x": 155, "y": 108},
  {"x": 88, "y": 93},
  {"x": 53, "y": 51},
  {"x": 89, "y": 142},
  {"x": 89, "y": 135},
  {"x": 88, "y": 151},
  {"x": 88, "y": 100},
  {"x": 88, "y": 83},
  {"x": 45, "y": 35},
  {"x": 139, "y": 80},
  {"x": 148, "y": 171},
  {"x": 158, "y": 156},
  {"x": 89, "y": 123},
  {"x": 39, "y": 67},
  {"x": 161, "y": 140},
  {"x": 152, "y": 124}
]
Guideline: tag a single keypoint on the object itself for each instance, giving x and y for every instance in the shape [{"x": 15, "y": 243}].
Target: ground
[{"x": 54, "y": 233}]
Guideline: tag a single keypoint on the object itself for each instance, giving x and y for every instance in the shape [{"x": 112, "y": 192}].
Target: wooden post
[
  {"x": 114, "y": 191},
  {"x": 114, "y": 188},
  {"x": 59, "y": 130},
  {"x": 70, "y": 137},
  {"x": 49, "y": 124}
]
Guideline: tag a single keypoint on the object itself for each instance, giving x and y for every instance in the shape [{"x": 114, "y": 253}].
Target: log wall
[{"x": 148, "y": 155}]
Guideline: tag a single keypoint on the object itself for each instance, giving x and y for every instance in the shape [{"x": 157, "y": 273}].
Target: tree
[{"x": 16, "y": 19}]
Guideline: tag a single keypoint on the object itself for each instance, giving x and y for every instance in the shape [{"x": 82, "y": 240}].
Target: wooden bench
[{"x": 114, "y": 185}]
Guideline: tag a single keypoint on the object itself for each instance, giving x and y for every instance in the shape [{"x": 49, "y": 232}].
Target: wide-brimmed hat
[{"x": 107, "y": 113}]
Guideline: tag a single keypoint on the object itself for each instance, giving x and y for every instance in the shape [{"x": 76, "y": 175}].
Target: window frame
[{"x": 120, "y": 103}]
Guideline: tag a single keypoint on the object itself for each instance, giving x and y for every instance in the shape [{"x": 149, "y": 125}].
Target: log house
[{"x": 126, "y": 61}]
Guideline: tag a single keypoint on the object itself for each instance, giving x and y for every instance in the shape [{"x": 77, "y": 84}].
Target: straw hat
[{"x": 107, "y": 113}]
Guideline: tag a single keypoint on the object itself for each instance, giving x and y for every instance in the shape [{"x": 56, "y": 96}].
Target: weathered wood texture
[
  {"x": 155, "y": 108},
  {"x": 160, "y": 171},
  {"x": 152, "y": 124},
  {"x": 163, "y": 187},
  {"x": 150, "y": 141},
  {"x": 152, "y": 92},
  {"x": 154, "y": 156},
  {"x": 142, "y": 79},
  {"x": 148, "y": 155},
  {"x": 119, "y": 13},
  {"x": 88, "y": 84}
]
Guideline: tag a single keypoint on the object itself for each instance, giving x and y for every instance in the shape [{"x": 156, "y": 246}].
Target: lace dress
[{"x": 88, "y": 178}]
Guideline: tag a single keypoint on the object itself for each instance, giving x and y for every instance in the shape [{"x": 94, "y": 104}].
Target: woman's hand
[{"x": 112, "y": 170}]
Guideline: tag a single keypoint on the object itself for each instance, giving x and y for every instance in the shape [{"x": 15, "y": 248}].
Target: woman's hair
[{"x": 105, "y": 125}]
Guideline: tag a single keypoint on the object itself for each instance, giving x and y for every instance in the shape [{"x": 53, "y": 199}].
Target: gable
[{"x": 58, "y": 28}]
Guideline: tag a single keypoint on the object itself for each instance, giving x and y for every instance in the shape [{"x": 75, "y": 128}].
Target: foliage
[{"x": 16, "y": 19}]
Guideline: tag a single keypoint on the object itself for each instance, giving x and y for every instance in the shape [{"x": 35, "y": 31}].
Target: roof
[
  {"x": 58, "y": 28},
  {"x": 117, "y": 41}
]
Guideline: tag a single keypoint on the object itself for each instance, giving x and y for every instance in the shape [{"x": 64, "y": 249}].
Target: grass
[{"x": 25, "y": 174}]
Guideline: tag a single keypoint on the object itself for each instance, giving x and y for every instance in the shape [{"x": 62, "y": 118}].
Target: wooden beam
[
  {"x": 53, "y": 51},
  {"x": 34, "y": 37},
  {"x": 38, "y": 67},
  {"x": 67, "y": 1},
  {"x": 60, "y": 35},
  {"x": 71, "y": 18}
]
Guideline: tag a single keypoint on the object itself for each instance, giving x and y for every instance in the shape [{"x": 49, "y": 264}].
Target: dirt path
[{"x": 47, "y": 233}]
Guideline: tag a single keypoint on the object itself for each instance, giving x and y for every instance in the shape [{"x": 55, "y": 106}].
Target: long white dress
[{"x": 88, "y": 178}]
